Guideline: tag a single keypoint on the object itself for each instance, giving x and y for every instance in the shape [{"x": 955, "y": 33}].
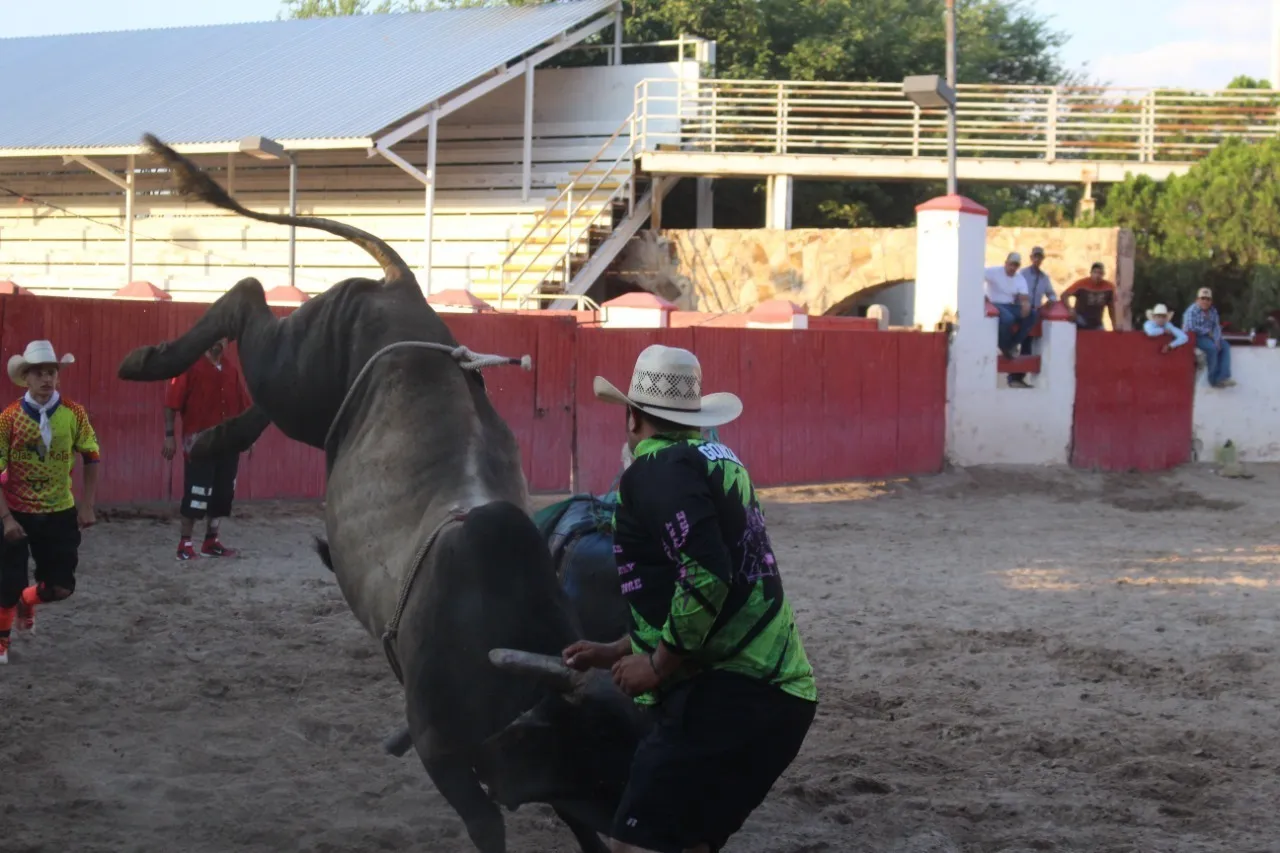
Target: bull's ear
[{"x": 546, "y": 668}]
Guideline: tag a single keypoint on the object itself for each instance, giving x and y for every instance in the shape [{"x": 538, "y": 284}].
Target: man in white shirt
[
  {"x": 1041, "y": 292},
  {"x": 1007, "y": 291}
]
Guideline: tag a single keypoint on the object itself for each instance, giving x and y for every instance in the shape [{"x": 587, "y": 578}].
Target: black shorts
[
  {"x": 53, "y": 542},
  {"x": 209, "y": 486},
  {"x": 717, "y": 746}
]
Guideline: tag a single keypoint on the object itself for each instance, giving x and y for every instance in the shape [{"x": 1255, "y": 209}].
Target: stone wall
[{"x": 824, "y": 270}]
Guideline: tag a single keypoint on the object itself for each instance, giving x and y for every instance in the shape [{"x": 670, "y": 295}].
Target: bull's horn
[{"x": 547, "y": 668}]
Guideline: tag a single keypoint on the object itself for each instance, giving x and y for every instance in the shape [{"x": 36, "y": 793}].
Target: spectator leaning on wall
[
  {"x": 1158, "y": 326},
  {"x": 1040, "y": 292},
  {"x": 1089, "y": 296},
  {"x": 1202, "y": 320},
  {"x": 1007, "y": 291}
]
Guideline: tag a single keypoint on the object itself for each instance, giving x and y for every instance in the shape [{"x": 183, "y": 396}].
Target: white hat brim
[{"x": 716, "y": 409}]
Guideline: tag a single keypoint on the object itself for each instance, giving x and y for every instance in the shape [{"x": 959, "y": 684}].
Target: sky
[{"x": 1202, "y": 43}]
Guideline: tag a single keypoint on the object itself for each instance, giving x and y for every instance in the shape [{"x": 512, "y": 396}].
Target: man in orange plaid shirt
[{"x": 40, "y": 436}]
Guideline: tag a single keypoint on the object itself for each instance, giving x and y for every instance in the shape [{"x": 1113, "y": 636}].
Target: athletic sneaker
[
  {"x": 187, "y": 551},
  {"x": 214, "y": 548},
  {"x": 26, "y": 621},
  {"x": 4, "y": 651}
]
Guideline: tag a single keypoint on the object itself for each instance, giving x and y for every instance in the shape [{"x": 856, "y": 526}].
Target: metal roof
[{"x": 323, "y": 78}]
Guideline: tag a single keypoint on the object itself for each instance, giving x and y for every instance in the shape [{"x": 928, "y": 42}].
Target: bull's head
[{"x": 574, "y": 748}]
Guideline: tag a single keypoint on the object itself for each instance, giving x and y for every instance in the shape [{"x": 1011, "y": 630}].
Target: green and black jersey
[{"x": 697, "y": 567}]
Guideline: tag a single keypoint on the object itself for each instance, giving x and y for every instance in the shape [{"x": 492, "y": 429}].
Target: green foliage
[
  {"x": 1216, "y": 226},
  {"x": 1244, "y": 81}
]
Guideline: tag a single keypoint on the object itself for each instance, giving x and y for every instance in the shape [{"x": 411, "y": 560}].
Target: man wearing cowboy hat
[
  {"x": 1158, "y": 326},
  {"x": 713, "y": 646},
  {"x": 39, "y": 437}
]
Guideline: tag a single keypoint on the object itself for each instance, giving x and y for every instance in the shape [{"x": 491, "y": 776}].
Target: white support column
[
  {"x": 128, "y": 219},
  {"x": 705, "y": 203},
  {"x": 231, "y": 174},
  {"x": 660, "y": 186},
  {"x": 433, "y": 128},
  {"x": 615, "y": 57},
  {"x": 526, "y": 180},
  {"x": 293, "y": 211},
  {"x": 778, "y": 215}
]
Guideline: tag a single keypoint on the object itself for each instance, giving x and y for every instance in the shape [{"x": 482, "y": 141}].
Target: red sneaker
[
  {"x": 187, "y": 551},
  {"x": 26, "y": 621},
  {"x": 214, "y": 548}
]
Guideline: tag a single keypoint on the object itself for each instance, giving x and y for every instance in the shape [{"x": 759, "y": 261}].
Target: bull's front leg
[
  {"x": 234, "y": 435},
  {"x": 235, "y": 313}
]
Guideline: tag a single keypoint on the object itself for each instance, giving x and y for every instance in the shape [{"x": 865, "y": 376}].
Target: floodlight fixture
[
  {"x": 929, "y": 92},
  {"x": 263, "y": 147}
]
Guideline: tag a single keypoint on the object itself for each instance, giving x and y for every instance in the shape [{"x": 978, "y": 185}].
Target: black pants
[
  {"x": 209, "y": 486},
  {"x": 717, "y": 746},
  {"x": 53, "y": 541}
]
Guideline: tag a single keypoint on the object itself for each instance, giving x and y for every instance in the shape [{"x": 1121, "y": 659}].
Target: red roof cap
[
  {"x": 458, "y": 296},
  {"x": 953, "y": 202},
  {"x": 640, "y": 299},
  {"x": 142, "y": 290},
  {"x": 12, "y": 289},
  {"x": 775, "y": 311},
  {"x": 286, "y": 294}
]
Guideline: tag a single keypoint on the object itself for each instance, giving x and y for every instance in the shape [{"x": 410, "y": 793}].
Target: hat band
[{"x": 697, "y": 408}]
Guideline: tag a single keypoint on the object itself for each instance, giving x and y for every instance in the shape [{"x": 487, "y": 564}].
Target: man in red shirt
[{"x": 210, "y": 392}]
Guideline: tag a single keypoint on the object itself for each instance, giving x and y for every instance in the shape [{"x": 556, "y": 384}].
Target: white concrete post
[
  {"x": 778, "y": 215},
  {"x": 705, "y": 203},
  {"x": 987, "y": 421}
]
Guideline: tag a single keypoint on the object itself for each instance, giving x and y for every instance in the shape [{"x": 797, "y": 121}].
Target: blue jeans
[
  {"x": 1218, "y": 365},
  {"x": 1009, "y": 315}
]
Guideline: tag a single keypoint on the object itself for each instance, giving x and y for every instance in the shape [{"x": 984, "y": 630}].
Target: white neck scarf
[{"x": 46, "y": 431}]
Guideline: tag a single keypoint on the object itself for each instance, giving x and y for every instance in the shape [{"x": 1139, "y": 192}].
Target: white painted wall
[
  {"x": 1248, "y": 415},
  {"x": 899, "y": 299},
  {"x": 988, "y": 422}
]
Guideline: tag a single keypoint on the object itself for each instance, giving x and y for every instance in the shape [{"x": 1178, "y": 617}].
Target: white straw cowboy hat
[
  {"x": 1160, "y": 310},
  {"x": 36, "y": 354},
  {"x": 667, "y": 383}
]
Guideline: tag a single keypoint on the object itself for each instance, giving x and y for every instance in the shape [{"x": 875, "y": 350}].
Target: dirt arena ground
[{"x": 1009, "y": 661}]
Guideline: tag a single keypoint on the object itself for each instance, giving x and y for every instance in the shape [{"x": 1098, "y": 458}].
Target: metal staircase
[{"x": 580, "y": 232}]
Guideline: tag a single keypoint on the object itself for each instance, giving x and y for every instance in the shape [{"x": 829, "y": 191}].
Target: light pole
[
  {"x": 930, "y": 92},
  {"x": 265, "y": 148},
  {"x": 951, "y": 107}
]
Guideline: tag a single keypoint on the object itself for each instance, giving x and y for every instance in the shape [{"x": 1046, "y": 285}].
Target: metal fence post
[
  {"x": 1051, "y": 133},
  {"x": 780, "y": 143}
]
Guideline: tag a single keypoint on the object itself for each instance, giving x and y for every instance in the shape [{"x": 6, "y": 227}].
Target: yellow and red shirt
[{"x": 39, "y": 479}]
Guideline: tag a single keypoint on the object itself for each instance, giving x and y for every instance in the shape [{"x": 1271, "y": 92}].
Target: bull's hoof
[
  {"x": 136, "y": 366},
  {"x": 399, "y": 743}
]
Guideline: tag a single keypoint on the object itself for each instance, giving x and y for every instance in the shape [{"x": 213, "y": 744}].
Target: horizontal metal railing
[{"x": 875, "y": 119}]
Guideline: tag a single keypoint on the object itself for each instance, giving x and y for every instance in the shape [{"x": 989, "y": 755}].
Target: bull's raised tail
[{"x": 194, "y": 181}]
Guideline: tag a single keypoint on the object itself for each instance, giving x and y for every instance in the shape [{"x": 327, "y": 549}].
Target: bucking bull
[{"x": 428, "y": 532}]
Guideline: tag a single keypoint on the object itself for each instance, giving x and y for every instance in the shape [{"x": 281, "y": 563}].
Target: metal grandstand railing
[
  {"x": 578, "y": 209},
  {"x": 874, "y": 119}
]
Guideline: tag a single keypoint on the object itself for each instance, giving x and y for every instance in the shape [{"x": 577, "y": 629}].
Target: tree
[{"x": 1216, "y": 226}]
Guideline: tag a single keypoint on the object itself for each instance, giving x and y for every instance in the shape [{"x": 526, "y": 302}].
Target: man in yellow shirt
[{"x": 39, "y": 437}]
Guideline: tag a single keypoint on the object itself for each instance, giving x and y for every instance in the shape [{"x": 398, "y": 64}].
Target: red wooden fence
[
  {"x": 1133, "y": 406},
  {"x": 820, "y": 405}
]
